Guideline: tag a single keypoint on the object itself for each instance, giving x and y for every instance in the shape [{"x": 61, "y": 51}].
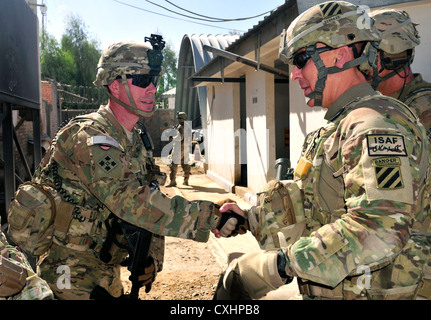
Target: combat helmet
[
  {"x": 181, "y": 115},
  {"x": 130, "y": 59},
  {"x": 399, "y": 39},
  {"x": 335, "y": 24}
]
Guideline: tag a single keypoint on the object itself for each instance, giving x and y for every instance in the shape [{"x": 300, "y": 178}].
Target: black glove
[{"x": 230, "y": 223}]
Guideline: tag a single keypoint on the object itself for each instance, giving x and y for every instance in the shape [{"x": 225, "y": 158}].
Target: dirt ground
[{"x": 190, "y": 271}]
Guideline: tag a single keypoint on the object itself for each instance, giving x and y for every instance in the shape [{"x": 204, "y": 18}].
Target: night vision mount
[{"x": 155, "y": 56}]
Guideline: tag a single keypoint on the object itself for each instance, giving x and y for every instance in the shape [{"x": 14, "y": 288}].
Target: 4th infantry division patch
[{"x": 388, "y": 173}]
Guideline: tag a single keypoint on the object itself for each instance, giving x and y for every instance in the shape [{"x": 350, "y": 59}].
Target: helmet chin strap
[
  {"x": 323, "y": 72},
  {"x": 377, "y": 79},
  {"x": 132, "y": 107}
]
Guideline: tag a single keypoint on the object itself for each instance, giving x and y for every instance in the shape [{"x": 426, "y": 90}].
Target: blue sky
[{"x": 111, "y": 21}]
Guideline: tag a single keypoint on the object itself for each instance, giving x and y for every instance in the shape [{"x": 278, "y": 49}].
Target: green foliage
[
  {"x": 72, "y": 62},
  {"x": 169, "y": 79}
]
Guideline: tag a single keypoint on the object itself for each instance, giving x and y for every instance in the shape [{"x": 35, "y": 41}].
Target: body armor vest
[{"x": 323, "y": 191}]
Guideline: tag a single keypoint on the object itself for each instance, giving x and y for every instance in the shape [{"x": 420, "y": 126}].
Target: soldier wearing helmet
[
  {"x": 395, "y": 77},
  {"x": 359, "y": 227},
  {"x": 180, "y": 151},
  {"x": 102, "y": 167}
]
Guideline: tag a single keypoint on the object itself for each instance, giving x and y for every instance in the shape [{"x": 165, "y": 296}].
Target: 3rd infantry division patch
[{"x": 388, "y": 173}]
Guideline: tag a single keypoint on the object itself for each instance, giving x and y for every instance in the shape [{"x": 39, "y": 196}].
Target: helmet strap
[
  {"x": 323, "y": 71},
  {"x": 377, "y": 79},
  {"x": 132, "y": 107}
]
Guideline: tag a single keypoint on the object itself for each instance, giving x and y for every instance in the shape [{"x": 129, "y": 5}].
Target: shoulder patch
[
  {"x": 386, "y": 145},
  {"x": 387, "y": 178},
  {"x": 104, "y": 141},
  {"x": 388, "y": 173}
]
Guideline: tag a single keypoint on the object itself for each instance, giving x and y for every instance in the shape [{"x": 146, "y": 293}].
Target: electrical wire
[
  {"x": 180, "y": 14},
  {"x": 163, "y": 15},
  {"x": 217, "y": 19}
]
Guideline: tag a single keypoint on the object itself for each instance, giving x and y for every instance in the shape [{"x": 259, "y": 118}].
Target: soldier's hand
[
  {"x": 222, "y": 202},
  {"x": 148, "y": 274},
  {"x": 232, "y": 221}
]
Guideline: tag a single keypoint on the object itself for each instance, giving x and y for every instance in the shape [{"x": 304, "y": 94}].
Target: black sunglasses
[
  {"x": 143, "y": 80},
  {"x": 301, "y": 58}
]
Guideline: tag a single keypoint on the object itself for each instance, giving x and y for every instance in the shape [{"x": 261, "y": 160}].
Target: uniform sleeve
[
  {"x": 381, "y": 165},
  {"x": 105, "y": 171}
]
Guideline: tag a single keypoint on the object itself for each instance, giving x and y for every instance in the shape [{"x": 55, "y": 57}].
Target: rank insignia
[
  {"x": 107, "y": 164},
  {"x": 388, "y": 173}
]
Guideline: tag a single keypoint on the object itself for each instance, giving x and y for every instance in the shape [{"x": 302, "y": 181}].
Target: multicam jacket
[
  {"x": 366, "y": 212},
  {"x": 35, "y": 288},
  {"x": 97, "y": 168},
  {"x": 417, "y": 95}
]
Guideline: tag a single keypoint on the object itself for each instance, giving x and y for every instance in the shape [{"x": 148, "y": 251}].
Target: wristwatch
[{"x": 281, "y": 265}]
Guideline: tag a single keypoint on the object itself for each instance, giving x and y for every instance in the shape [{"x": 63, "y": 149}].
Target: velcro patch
[
  {"x": 388, "y": 173},
  {"x": 104, "y": 140},
  {"x": 386, "y": 145}
]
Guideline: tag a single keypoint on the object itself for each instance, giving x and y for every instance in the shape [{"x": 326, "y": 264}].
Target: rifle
[
  {"x": 138, "y": 246},
  {"x": 139, "y": 242}
]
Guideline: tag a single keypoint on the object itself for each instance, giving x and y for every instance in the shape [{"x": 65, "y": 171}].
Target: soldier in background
[
  {"x": 180, "y": 151},
  {"x": 353, "y": 224},
  {"x": 396, "y": 52},
  {"x": 102, "y": 167},
  {"x": 18, "y": 281}
]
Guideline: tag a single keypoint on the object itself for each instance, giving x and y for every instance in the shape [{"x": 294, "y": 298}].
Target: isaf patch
[
  {"x": 386, "y": 145},
  {"x": 388, "y": 173}
]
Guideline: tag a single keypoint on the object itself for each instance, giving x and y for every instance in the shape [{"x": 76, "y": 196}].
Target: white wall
[
  {"x": 220, "y": 150},
  {"x": 223, "y": 102},
  {"x": 303, "y": 120},
  {"x": 260, "y": 128}
]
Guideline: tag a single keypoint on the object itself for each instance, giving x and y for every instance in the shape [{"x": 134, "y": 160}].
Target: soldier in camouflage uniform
[
  {"x": 18, "y": 281},
  {"x": 358, "y": 194},
  {"x": 396, "y": 53},
  {"x": 102, "y": 167},
  {"x": 180, "y": 152}
]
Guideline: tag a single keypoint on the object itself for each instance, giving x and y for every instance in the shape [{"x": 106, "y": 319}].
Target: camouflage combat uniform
[
  {"x": 96, "y": 168},
  {"x": 417, "y": 95},
  {"x": 361, "y": 181},
  {"x": 363, "y": 202},
  {"x": 35, "y": 288},
  {"x": 399, "y": 40},
  {"x": 180, "y": 153}
]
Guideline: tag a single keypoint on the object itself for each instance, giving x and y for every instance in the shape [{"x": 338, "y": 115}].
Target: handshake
[{"x": 231, "y": 219}]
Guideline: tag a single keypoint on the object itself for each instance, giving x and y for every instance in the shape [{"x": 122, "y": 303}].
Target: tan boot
[{"x": 172, "y": 184}]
